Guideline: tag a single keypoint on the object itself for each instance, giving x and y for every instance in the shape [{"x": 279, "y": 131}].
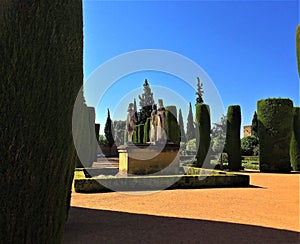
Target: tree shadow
[{"x": 102, "y": 226}]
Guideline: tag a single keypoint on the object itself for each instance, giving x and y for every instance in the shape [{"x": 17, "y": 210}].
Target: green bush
[
  {"x": 233, "y": 142},
  {"x": 275, "y": 118},
  {"x": 172, "y": 127},
  {"x": 248, "y": 144},
  {"x": 295, "y": 141},
  {"x": 203, "y": 132},
  {"x": 41, "y": 74}
]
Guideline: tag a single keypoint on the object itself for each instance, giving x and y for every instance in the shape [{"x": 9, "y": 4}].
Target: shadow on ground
[{"x": 101, "y": 226}]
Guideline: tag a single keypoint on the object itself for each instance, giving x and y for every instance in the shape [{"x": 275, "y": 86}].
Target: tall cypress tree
[
  {"x": 180, "y": 122},
  {"x": 108, "y": 130},
  {"x": 41, "y": 74},
  {"x": 254, "y": 125},
  {"x": 190, "y": 128}
]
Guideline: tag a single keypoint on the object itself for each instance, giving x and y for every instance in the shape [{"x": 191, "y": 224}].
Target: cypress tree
[
  {"x": 203, "y": 128},
  {"x": 233, "y": 141},
  {"x": 275, "y": 122},
  {"x": 180, "y": 121},
  {"x": 254, "y": 125},
  {"x": 41, "y": 74},
  {"x": 190, "y": 129},
  {"x": 108, "y": 130},
  {"x": 295, "y": 141}
]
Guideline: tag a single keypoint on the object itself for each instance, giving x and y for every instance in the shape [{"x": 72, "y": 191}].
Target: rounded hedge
[
  {"x": 275, "y": 122},
  {"x": 202, "y": 132},
  {"x": 295, "y": 141},
  {"x": 233, "y": 141},
  {"x": 147, "y": 131},
  {"x": 172, "y": 127}
]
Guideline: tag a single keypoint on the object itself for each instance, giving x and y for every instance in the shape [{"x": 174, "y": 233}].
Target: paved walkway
[{"x": 266, "y": 212}]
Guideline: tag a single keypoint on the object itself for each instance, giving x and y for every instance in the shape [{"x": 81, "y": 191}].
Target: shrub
[
  {"x": 41, "y": 75},
  {"x": 248, "y": 144},
  {"x": 295, "y": 141},
  {"x": 275, "y": 118},
  {"x": 172, "y": 127},
  {"x": 203, "y": 130},
  {"x": 233, "y": 142}
]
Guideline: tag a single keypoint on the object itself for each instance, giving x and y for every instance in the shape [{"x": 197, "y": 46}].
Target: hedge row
[{"x": 295, "y": 141}]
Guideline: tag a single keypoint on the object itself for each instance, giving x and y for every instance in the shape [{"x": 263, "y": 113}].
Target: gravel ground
[{"x": 266, "y": 212}]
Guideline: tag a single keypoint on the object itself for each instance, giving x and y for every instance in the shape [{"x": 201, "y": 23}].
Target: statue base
[{"x": 144, "y": 159}]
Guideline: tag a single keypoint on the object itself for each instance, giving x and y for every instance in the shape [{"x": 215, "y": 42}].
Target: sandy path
[{"x": 267, "y": 212}]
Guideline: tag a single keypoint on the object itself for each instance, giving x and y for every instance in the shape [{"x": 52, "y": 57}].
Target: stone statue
[
  {"x": 153, "y": 124},
  {"x": 161, "y": 114},
  {"x": 131, "y": 121}
]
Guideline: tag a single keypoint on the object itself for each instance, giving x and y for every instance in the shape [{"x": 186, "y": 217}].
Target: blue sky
[{"x": 246, "y": 48}]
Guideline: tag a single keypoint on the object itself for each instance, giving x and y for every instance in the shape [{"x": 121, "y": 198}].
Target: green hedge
[
  {"x": 172, "y": 127},
  {"x": 203, "y": 132},
  {"x": 140, "y": 133},
  {"x": 147, "y": 131},
  {"x": 275, "y": 121},
  {"x": 295, "y": 141},
  {"x": 233, "y": 141},
  {"x": 41, "y": 74}
]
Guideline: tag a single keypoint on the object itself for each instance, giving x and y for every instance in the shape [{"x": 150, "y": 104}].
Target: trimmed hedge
[
  {"x": 233, "y": 141},
  {"x": 295, "y": 141},
  {"x": 172, "y": 127},
  {"x": 203, "y": 128},
  {"x": 275, "y": 121},
  {"x": 147, "y": 131},
  {"x": 41, "y": 74},
  {"x": 140, "y": 133}
]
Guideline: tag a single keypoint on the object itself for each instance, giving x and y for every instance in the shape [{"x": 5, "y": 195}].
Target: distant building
[{"x": 247, "y": 130}]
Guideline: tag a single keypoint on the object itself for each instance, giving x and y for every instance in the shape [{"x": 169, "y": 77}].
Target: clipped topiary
[
  {"x": 203, "y": 128},
  {"x": 147, "y": 131},
  {"x": 275, "y": 121},
  {"x": 233, "y": 141},
  {"x": 295, "y": 141},
  {"x": 140, "y": 133},
  {"x": 172, "y": 127},
  {"x": 41, "y": 72}
]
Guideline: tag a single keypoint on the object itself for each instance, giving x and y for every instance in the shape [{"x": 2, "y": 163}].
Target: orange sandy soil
[{"x": 265, "y": 212}]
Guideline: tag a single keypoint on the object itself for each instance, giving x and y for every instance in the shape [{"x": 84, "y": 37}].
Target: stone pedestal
[{"x": 144, "y": 159}]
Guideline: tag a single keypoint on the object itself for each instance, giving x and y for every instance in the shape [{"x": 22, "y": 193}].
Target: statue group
[{"x": 157, "y": 122}]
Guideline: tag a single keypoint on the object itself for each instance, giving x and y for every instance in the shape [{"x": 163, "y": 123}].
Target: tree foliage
[
  {"x": 199, "y": 93},
  {"x": 248, "y": 144},
  {"x": 181, "y": 125},
  {"x": 254, "y": 126},
  {"x": 146, "y": 102},
  {"x": 108, "y": 130},
  {"x": 190, "y": 128}
]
